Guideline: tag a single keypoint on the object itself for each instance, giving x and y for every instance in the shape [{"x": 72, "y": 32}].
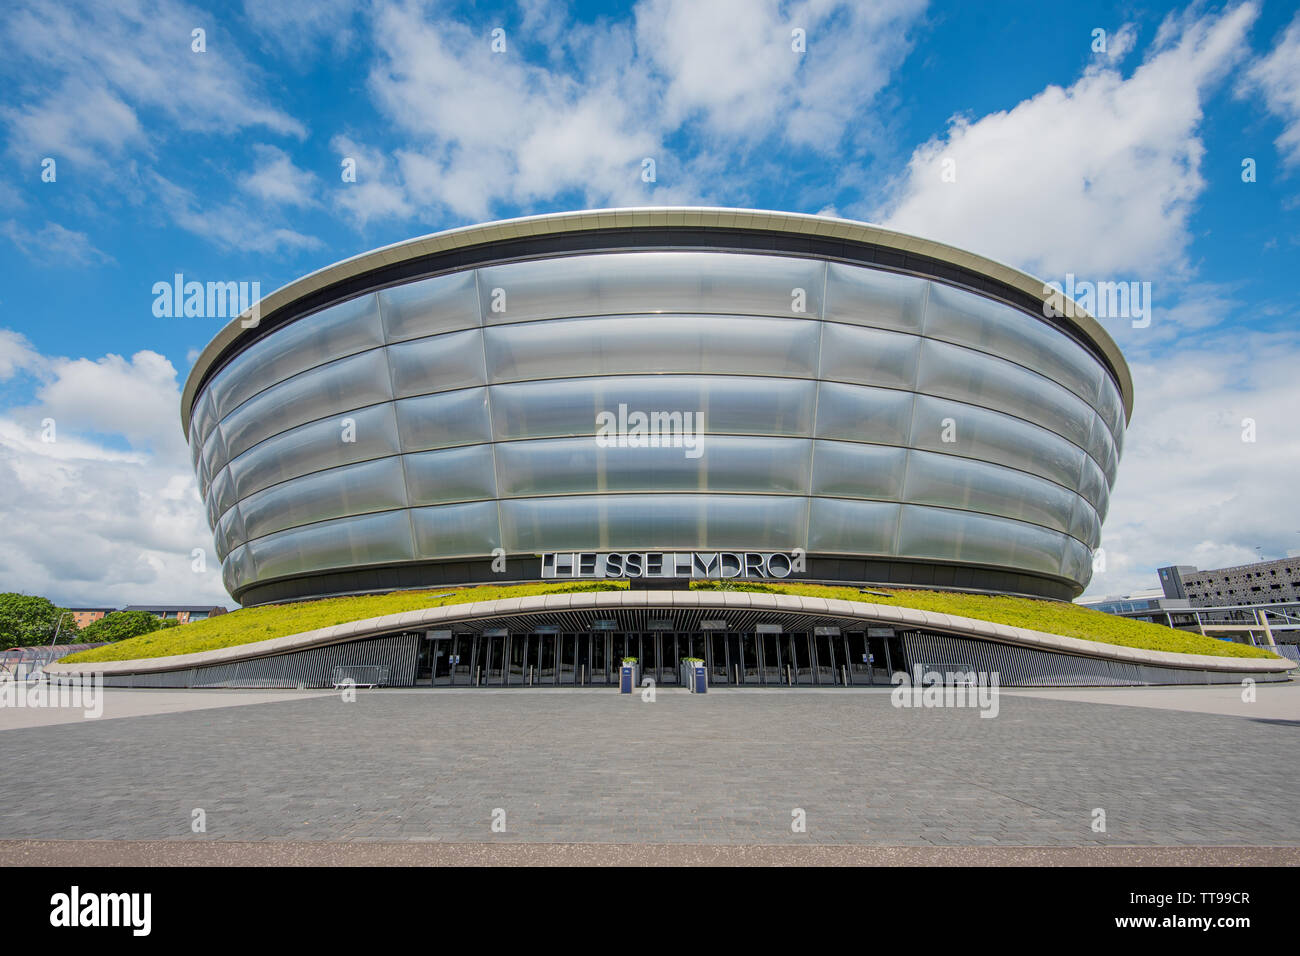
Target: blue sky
[{"x": 225, "y": 165}]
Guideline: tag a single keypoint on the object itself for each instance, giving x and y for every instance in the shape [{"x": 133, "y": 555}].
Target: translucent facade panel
[
  {"x": 1084, "y": 523},
  {"x": 451, "y": 474},
  {"x": 452, "y": 531},
  {"x": 727, "y": 464},
  {"x": 1076, "y": 562},
  {"x": 352, "y": 489},
  {"x": 850, "y": 470},
  {"x": 214, "y": 455},
  {"x": 442, "y": 420},
  {"x": 600, "y": 522},
  {"x": 315, "y": 447},
  {"x": 431, "y": 306},
  {"x": 868, "y": 356},
  {"x": 347, "y": 542},
  {"x": 203, "y": 418},
  {"x": 992, "y": 436},
  {"x": 1111, "y": 407},
  {"x": 1092, "y": 483},
  {"x": 639, "y": 282},
  {"x": 333, "y": 389},
  {"x": 196, "y": 446},
  {"x": 840, "y": 526},
  {"x": 731, "y": 405},
  {"x": 316, "y": 339},
  {"x": 237, "y": 569},
  {"x": 952, "y": 482},
  {"x": 437, "y": 364},
  {"x": 951, "y": 371},
  {"x": 629, "y": 344},
  {"x": 221, "y": 495},
  {"x": 229, "y": 533},
  {"x": 855, "y": 413},
  {"x": 944, "y": 535},
  {"x": 1101, "y": 447},
  {"x": 869, "y": 297},
  {"x": 970, "y": 319}
]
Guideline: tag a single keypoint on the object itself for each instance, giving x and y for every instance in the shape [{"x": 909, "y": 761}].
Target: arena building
[{"x": 660, "y": 395}]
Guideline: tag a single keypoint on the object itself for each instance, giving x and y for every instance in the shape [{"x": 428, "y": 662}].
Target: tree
[
  {"x": 28, "y": 621},
  {"x": 119, "y": 625}
]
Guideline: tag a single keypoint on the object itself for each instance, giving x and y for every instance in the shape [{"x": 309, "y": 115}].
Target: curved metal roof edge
[
  {"x": 719, "y": 217},
  {"x": 448, "y": 614}
]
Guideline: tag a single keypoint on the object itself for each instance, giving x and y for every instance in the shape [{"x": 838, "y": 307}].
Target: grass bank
[{"x": 249, "y": 625}]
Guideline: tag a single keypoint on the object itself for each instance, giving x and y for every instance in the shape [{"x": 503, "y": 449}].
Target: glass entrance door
[
  {"x": 598, "y": 674},
  {"x": 859, "y": 664},
  {"x": 568, "y": 658},
  {"x": 801, "y": 661},
  {"x": 747, "y": 657},
  {"x": 878, "y": 659},
  {"x": 669, "y": 672},
  {"x": 493, "y": 655},
  {"x": 441, "y": 654},
  {"x": 773, "y": 669},
  {"x": 463, "y": 662},
  {"x": 824, "y": 668},
  {"x": 719, "y": 668}
]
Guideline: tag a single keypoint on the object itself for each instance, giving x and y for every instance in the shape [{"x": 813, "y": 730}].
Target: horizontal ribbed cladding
[{"x": 825, "y": 414}]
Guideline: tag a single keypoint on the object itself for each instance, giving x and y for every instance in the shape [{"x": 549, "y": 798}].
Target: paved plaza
[{"x": 729, "y": 768}]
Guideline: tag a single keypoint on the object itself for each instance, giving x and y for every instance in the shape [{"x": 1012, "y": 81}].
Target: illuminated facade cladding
[{"x": 902, "y": 411}]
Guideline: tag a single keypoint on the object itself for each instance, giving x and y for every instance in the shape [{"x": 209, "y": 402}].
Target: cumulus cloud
[
  {"x": 1098, "y": 178},
  {"x": 106, "y": 63},
  {"x": 107, "y": 512},
  {"x": 1276, "y": 77},
  {"x": 232, "y": 225},
  {"x": 277, "y": 180},
  {"x": 1190, "y": 489},
  {"x": 54, "y": 245},
  {"x": 485, "y": 129}
]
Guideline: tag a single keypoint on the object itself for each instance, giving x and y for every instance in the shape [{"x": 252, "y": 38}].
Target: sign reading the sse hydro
[{"x": 672, "y": 564}]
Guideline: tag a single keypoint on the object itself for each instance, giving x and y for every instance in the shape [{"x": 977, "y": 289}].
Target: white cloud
[
  {"x": 104, "y": 64},
  {"x": 485, "y": 129},
  {"x": 277, "y": 180},
  {"x": 1098, "y": 179},
  {"x": 54, "y": 245},
  {"x": 107, "y": 513},
  {"x": 1190, "y": 490},
  {"x": 231, "y": 225},
  {"x": 376, "y": 193},
  {"x": 298, "y": 29},
  {"x": 17, "y": 355},
  {"x": 1277, "y": 78}
]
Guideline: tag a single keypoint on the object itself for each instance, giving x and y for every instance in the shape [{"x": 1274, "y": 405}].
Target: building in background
[
  {"x": 1248, "y": 603},
  {"x": 180, "y": 613},
  {"x": 1264, "y": 582},
  {"x": 85, "y": 616}
]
